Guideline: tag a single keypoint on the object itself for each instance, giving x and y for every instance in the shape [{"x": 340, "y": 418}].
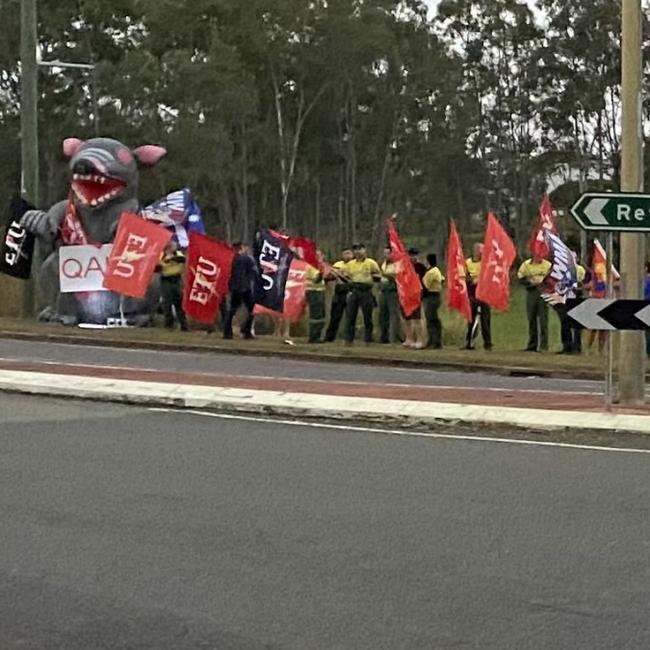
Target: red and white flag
[
  {"x": 546, "y": 221},
  {"x": 136, "y": 252},
  {"x": 409, "y": 287},
  {"x": 209, "y": 264},
  {"x": 457, "y": 297},
  {"x": 498, "y": 255}
]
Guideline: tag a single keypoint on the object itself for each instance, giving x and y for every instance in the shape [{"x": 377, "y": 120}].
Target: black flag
[
  {"x": 273, "y": 258},
  {"x": 17, "y": 245}
]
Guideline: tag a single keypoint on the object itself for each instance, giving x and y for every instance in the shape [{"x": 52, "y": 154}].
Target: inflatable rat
[{"x": 104, "y": 184}]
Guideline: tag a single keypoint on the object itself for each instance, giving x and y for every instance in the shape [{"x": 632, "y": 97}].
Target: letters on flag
[
  {"x": 273, "y": 258},
  {"x": 409, "y": 287},
  {"x": 17, "y": 245},
  {"x": 209, "y": 264},
  {"x": 295, "y": 294},
  {"x": 136, "y": 251},
  {"x": 546, "y": 222},
  {"x": 561, "y": 281},
  {"x": 457, "y": 297},
  {"x": 498, "y": 255}
]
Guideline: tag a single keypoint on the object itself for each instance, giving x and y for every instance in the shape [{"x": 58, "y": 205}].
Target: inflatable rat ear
[
  {"x": 149, "y": 154},
  {"x": 71, "y": 146}
]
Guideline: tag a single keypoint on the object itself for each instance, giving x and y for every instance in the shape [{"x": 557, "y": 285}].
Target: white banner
[{"x": 82, "y": 268}]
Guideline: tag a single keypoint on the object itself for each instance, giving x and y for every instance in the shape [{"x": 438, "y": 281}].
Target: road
[
  {"x": 277, "y": 367},
  {"x": 128, "y": 528}
]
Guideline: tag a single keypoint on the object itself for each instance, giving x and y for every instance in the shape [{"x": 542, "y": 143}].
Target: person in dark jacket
[{"x": 243, "y": 287}]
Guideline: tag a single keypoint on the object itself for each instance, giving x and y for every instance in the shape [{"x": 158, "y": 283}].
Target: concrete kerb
[
  {"x": 321, "y": 356},
  {"x": 387, "y": 412}
]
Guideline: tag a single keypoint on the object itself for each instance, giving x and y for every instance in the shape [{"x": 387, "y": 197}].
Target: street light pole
[
  {"x": 28, "y": 121},
  {"x": 632, "y": 246}
]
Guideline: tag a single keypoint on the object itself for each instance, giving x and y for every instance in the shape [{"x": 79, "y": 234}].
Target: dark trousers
[
  {"x": 389, "y": 323},
  {"x": 237, "y": 299},
  {"x": 316, "y": 305},
  {"x": 570, "y": 335},
  {"x": 360, "y": 296},
  {"x": 481, "y": 314},
  {"x": 537, "y": 312},
  {"x": 171, "y": 293},
  {"x": 431, "y": 303},
  {"x": 337, "y": 309}
]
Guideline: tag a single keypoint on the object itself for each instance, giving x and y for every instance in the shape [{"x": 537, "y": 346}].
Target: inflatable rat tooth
[{"x": 103, "y": 184}]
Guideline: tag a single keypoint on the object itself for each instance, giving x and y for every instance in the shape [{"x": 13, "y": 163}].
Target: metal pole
[
  {"x": 609, "y": 343},
  {"x": 632, "y": 246},
  {"x": 28, "y": 122}
]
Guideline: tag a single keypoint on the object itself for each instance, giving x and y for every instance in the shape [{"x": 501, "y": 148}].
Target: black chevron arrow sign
[{"x": 610, "y": 314}]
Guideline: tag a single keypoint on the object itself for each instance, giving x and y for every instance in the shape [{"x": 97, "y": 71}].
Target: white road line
[
  {"x": 398, "y": 432},
  {"x": 54, "y": 362}
]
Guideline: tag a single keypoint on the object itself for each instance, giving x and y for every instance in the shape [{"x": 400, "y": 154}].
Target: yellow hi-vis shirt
[
  {"x": 580, "y": 272},
  {"x": 314, "y": 279},
  {"x": 473, "y": 270},
  {"x": 433, "y": 280},
  {"x": 171, "y": 264},
  {"x": 533, "y": 272},
  {"x": 388, "y": 272},
  {"x": 362, "y": 271}
]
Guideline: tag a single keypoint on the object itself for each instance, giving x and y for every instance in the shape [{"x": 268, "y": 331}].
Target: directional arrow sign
[
  {"x": 597, "y": 314},
  {"x": 608, "y": 211}
]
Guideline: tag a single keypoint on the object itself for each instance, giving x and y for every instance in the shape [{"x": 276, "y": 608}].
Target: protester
[
  {"x": 362, "y": 272},
  {"x": 432, "y": 282},
  {"x": 243, "y": 287},
  {"x": 413, "y": 322},
  {"x": 315, "y": 295},
  {"x": 597, "y": 288},
  {"x": 171, "y": 266},
  {"x": 480, "y": 311},
  {"x": 532, "y": 274},
  {"x": 341, "y": 291},
  {"x": 389, "y": 320}
]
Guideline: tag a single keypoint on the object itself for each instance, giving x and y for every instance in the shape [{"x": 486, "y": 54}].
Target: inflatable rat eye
[{"x": 124, "y": 156}]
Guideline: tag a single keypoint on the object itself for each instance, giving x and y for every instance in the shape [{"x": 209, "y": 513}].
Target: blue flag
[{"x": 178, "y": 212}]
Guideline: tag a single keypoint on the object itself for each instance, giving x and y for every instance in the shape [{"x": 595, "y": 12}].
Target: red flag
[
  {"x": 295, "y": 297},
  {"x": 136, "y": 252},
  {"x": 306, "y": 250},
  {"x": 498, "y": 255},
  {"x": 409, "y": 287},
  {"x": 546, "y": 221},
  {"x": 457, "y": 297},
  {"x": 209, "y": 263}
]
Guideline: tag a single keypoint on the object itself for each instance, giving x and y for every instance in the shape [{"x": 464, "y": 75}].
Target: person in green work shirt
[
  {"x": 339, "y": 302},
  {"x": 389, "y": 320},
  {"x": 432, "y": 283},
  {"x": 362, "y": 273},
  {"x": 532, "y": 274},
  {"x": 315, "y": 302}
]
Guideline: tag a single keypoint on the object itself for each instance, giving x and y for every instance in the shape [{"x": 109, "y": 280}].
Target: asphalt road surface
[
  {"x": 279, "y": 367},
  {"x": 127, "y": 528}
]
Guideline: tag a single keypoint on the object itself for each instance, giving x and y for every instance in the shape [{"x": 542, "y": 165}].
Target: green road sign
[{"x": 609, "y": 211}]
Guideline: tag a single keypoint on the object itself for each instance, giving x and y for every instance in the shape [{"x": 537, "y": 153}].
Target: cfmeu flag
[
  {"x": 136, "y": 251},
  {"x": 209, "y": 264},
  {"x": 179, "y": 213},
  {"x": 273, "y": 258},
  {"x": 498, "y": 255},
  {"x": 17, "y": 246},
  {"x": 546, "y": 222},
  {"x": 561, "y": 281},
  {"x": 457, "y": 297},
  {"x": 409, "y": 287}
]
